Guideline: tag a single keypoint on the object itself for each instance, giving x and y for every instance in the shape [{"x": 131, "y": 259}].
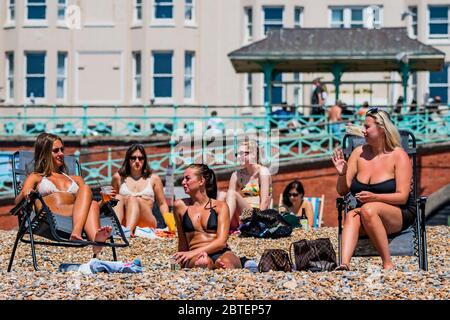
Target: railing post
[
  {"x": 77, "y": 156},
  {"x": 85, "y": 120},
  {"x": 175, "y": 118},
  {"x": 109, "y": 165}
]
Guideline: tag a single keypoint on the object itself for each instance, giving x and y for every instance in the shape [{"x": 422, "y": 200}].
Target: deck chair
[
  {"x": 409, "y": 242},
  {"x": 317, "y": 204},
  {"x": 53, "y": 227}
]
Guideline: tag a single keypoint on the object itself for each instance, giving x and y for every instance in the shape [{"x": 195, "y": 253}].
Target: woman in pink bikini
[
  {"x": 64, "y": 195},
  {"x": 137, "y": 189}
]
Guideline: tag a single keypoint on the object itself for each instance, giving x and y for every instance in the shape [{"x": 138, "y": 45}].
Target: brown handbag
[
  {"x": 314, "y": 255},
  {"x": 276, "y": 260}
]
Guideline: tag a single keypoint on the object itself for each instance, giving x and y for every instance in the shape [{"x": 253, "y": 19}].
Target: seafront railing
[{"x": 283, "y": 137}]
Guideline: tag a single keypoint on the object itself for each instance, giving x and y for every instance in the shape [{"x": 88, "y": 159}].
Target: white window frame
[
  {"x": 412, "y": 21},
  {"x": 137, "y": 76},
  {"x": 440, "y": 85},
  {"x": 9, "y": 72},
  {"x": 11, "y": 12},
  {"x": 138, "y": 7},
  {"x": 162, "y": 75},
  {"x": 37, "y": 100},
  {"x": 248, "y": 24},
  {"x": 298, "y": 24},
  {"x": 61, "y": 76},
  {"x": 189, "y": 77},
  {"x": 298, "y": 89},
  {"x": 190, "y": 6},
  {"x": 438, "y": 38},
  {"x": 263, "y": 18},
  {"x": 248, "y": 89},
  {"x": 62, "y": 5},
  {"x": 35, "y": 22},
  {"x": 163, "y": 21},
  {"x": 347, "y": 16}
]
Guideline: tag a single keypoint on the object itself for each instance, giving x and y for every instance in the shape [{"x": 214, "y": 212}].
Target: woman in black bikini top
[
  {"x": 379, "y": 176},
  {"x": 202, "y": 223}
]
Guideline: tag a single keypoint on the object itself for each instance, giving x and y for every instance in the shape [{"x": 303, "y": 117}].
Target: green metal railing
[{"x": 283, "y": 138}]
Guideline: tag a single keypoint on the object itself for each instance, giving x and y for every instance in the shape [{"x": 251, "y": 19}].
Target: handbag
[
  {"x": 314, "y": 255},
  {"x": 276, "y": 260}
]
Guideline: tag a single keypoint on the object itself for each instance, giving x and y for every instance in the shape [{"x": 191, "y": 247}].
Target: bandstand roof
[{"x": 318, "y": 49}]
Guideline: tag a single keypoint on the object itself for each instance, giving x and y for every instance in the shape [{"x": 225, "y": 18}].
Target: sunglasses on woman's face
[
  {"x": 295, "y": 195},
  {"x": 134, "y": 158},
  {"x": 57, "y": 150},
  {"x": 243, "y": 153}
]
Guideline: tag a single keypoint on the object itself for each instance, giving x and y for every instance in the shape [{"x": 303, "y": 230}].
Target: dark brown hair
[
  {"x": 297, "y": 185},
  {"x": 43, "y": 159},
  {"x": 208, "y": 174},
  {"x": 125, "y": 170}
]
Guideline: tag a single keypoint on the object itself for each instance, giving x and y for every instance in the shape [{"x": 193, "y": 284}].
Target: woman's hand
[
  {"x": 183, "y": 256},
  {"x": 365, "y": 196},
  {"x": 339, "y": 161}
]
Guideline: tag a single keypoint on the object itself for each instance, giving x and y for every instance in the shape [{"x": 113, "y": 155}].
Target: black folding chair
[
  {"x": 409, "y": 242},
  {"x": 53, "y": 227}
]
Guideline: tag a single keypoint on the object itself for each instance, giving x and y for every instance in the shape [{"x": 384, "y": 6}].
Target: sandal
[{"x": 342, "y": 267}]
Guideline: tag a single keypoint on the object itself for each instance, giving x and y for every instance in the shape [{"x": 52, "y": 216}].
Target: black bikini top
[
  {"x": 387, "y": 186},
  {"x": 188, "y": 226}
]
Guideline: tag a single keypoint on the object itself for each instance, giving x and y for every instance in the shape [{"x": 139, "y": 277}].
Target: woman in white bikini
[
  {"x": 250, "y": 186},
  {"x": 137, "y": 188},
  {"x": 64, "y": 195}
]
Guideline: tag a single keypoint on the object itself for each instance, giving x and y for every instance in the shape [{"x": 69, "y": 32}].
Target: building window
[
  {"x": 137, "y": 17},
  {"x": 36, "y": 9},
  {"x": 189, "y": 10},
  {"x": 137, "y": 75},
  {"x": 249, "y": 89},
  {"x": 273, "y": 18},
  {"x": 298, "y": 17},
  {"x": 62, "y": 5},
  {"x": 439, "y": 22},
  {"x": 438, "y": 84},
  {"x": 61, "y": 80},
  {"x": 297, "y": 89},
  {"x": 356, "y": 17},
  {"x": 248, "y": 14},
  {"x": 9, "y": 75},
  {"x": 35, "y": 76},
  {"x": 276, "y": 96},
  {"x": 189, "y": 59},
  {"x": 11, "y": 13},
  {"x": 162, "y": 74},
  {"x": 413, "y": 22},
  {"x": 163, "y": 9}
]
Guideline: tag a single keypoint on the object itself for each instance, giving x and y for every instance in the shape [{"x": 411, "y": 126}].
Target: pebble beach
[{"x": 365, "y": 281}]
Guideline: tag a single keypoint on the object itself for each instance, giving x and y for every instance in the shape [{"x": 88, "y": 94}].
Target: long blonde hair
[
  {"x": 384, "y": 122},
  {"x": 43, "y": 160}
]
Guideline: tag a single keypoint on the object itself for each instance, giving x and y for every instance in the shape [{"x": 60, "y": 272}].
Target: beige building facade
[{"x": 141, "y": 52}]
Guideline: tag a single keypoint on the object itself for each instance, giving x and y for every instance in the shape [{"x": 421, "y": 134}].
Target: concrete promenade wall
[{"x": 317, "y": 175}]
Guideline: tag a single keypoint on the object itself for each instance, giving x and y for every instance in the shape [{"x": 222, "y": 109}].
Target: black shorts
[{"x": 215, "y": 255}]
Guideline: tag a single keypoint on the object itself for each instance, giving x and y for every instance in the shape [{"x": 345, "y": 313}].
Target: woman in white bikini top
[
  {"x": 51, "y": 181},
  {"x": 137, "y": 190}
]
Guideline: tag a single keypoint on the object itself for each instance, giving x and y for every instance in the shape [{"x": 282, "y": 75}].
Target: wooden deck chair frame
[
  {"x": 318, "y": 212},
  {"x": 409, "y": 242},
  {"x": 53, "y": 227}
]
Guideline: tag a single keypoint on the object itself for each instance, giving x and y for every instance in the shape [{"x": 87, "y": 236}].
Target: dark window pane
[
  {"x": 35, "y": 63},
  {"x": 273, "y": 14},
  {"x": 36, "y": 86},
  {"x": 162, "y": 63},
  {"x": 35, "y": 13},
  {"x": 357, "y": 14},
  {"x": 163, "y": 87},
  {"x": 337, "y": 15},
  {"x": 439, "y": 76},
  {"x": 277, "y": 96},
  {"x": 441, "y": 92},
  {"x": 439, "y": 28},
  {"x": 138, "y": 63},
  {"x": 164, "y": 12},
  {"x": 438, "y": 12}
]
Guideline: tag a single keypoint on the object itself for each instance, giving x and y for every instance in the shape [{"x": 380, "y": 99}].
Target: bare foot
[
  {"x": 388, "y": 266},
  {"x": 201, "y": 261},
  {"x": 102, "y": 234},
  {"x": 75, "y": 236}
]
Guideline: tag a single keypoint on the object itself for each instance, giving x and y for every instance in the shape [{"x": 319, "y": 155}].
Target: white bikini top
[
  {"x": 148, "y": 190},
  {"x": 46, "y": 187}
]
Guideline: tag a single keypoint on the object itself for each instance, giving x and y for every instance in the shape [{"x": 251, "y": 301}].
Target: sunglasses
[
  {"x": 243, "y": 153},
  {"x": 293, "y": 195},
  {"x": 134, "y": 158},
  {"x": 57, "y": 150}
]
